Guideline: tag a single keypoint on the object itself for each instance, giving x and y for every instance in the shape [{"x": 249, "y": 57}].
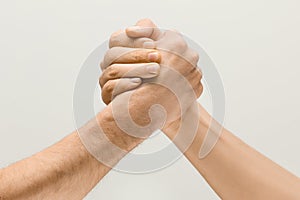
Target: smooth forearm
[{"x": 236, "y": 171}]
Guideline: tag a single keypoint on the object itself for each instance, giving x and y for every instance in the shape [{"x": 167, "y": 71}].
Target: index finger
[{"x": 129, "y": 55}]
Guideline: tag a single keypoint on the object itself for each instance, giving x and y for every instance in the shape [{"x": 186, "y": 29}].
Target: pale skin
[
  {"x": 66, "y": 170},
  {"x": 233, "y": 169}
]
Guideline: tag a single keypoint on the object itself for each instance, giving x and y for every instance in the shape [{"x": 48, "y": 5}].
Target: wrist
[
  {"x": 111, "y": 130},
  {"x": 202, "y": 138},
  {"x": 104, "y": 140}
]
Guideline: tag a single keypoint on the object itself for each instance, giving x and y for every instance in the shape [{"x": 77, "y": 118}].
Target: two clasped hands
[
  {"x": 233, "y": 169},
  {"x": 150, "y": 81}
]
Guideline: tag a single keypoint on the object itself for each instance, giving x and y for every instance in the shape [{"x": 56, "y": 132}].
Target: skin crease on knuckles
[
  {"x": 185, "y": 68},
  {"x": 70, "y": 169},
  {"x": 256, "y": 188},
  {"x": 143, "y": 98}
]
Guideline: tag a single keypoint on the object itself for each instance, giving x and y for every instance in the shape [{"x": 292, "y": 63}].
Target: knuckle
[
  {"x": 109, "y": 73},
  {"x": 112, "y": 42},
  {"x": 195, "y": 77},
  {"x": 112, "y": 72},
  {"x": 195, "y": 82},
  {"x": 101, "y": 81},
  {"x": 105, "y": 98},
  {"x": 199, "y": 75},
  {"x": 108, "y": 88},
  {"x": 137, "y": 55},
  {"x": 106, "y": 93},
  {"x": 200, "y": 90},
  {"x": 114, "y": 38}
]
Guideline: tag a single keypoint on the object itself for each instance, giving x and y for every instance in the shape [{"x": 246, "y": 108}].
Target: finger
[
  {"x": 140, "y": 70},
  {"x": 191, "y": 56},
  {"x": 145, "y": 23},
  {"x": 194, "y": 76},
  {"x": 195, "y": 80},
  {"x": 172, "y": 41},
  {"x": 129, "y": 55},
  {"x": 198, "y": 89},
  {"x": 148, "y": 32},
  {"x": 121, "y": 39},
  {"x": 115, "y": 87}
]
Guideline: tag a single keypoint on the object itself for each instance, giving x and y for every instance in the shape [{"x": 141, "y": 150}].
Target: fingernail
[
  {"x": 136, "y": 80},
  {"x": 149, "y": 45},
  {"x": 153, "y": 56},
  {"x": 153, "y": 68}
]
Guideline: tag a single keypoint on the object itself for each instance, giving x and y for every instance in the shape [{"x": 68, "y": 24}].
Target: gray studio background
[{"x": 254, "y": 44}]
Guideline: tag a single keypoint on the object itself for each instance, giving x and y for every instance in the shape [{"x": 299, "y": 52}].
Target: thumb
[
  {"x": 146, "y": 23},
  {"x": 144, "y": 28}
]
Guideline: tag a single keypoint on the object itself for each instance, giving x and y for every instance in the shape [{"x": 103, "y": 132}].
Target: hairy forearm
[
  {"x": 65, "y": 170},
  {"x": 236, "y": 171}
]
